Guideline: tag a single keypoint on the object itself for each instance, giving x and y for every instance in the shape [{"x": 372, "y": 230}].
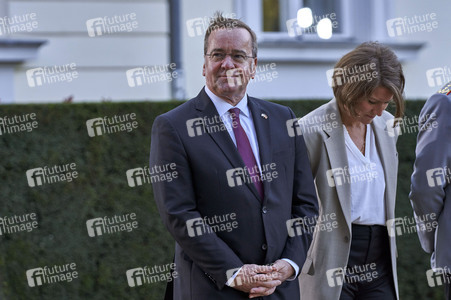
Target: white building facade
[{"x": 92, "y": 51}]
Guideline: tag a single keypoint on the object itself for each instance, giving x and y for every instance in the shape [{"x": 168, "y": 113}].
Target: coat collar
[{"x": 336, "y": 150}]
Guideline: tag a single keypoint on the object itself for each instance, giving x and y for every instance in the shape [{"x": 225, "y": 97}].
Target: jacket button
[
  {"x": 264, "y": 247},
  {"x": 346, "y": 239},
  {"x": 264, "y": 210}
]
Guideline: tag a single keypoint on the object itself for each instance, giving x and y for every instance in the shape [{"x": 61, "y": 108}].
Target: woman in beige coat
[{"x": 351, "y": 143}]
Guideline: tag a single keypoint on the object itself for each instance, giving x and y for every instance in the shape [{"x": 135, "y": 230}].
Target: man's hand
[
  {"x": 283, "y": 270},
  {"x": 256, "y": 280}
]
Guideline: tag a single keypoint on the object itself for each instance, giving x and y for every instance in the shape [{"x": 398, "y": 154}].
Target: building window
[
  {"x": 271, "y": 16},
  {"x": 326, "y": 9},
  {"x": 353, "y": 21},
  {"x": 277, "y": 15}
]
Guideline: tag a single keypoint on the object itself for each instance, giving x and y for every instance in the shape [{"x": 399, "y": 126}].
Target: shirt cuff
[
  {"x": 295, "y": 267},
  {"x": 231, "y": 279}
]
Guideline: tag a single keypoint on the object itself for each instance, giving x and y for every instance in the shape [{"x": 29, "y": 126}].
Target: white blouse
[{"x": 367, "y": 180}]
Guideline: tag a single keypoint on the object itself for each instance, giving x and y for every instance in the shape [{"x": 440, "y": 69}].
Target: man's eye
[
  {"x": 217, "y": 55},
  {"x": 239, "y": 57}
]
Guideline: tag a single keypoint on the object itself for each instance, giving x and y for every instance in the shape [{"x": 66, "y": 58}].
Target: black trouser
[{"x": 369, "y": 273}]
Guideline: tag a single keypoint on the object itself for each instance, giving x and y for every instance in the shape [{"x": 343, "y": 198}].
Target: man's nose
[{"x": 227, "y": 63}]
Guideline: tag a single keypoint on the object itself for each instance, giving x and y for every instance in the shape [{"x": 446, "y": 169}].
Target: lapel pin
[{"x": 264, "y": 116}]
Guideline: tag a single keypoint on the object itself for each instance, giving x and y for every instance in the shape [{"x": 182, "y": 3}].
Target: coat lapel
[{"x": 336, "y": 150}]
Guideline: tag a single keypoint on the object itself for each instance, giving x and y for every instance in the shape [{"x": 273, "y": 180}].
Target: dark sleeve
[
  {"x": 176, "y": 201},
  {"x": 431, "y": 164}
]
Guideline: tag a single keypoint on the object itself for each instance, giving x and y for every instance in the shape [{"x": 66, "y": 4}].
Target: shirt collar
[{"x": 222, "y": 106}]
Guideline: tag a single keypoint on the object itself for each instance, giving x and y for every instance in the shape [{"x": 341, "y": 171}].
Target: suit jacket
[
  {"x": 203, "y": 189},
  {"x": 326, "y": 149},
  {"x": 431, "y": 190}
]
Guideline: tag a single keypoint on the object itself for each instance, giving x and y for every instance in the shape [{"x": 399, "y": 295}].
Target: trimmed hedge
[{"x": 101, "y": 189}]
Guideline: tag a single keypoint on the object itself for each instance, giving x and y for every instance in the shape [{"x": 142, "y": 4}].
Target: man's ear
[{"x": 253, "y": 67}]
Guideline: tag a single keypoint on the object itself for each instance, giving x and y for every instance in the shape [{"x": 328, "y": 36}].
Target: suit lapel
[
  {"x": 336, "y": 150},
  {"x": 262, "y": 130},
  {"x": 388, "y": 159},
  {"x": 206, "y": 109}
]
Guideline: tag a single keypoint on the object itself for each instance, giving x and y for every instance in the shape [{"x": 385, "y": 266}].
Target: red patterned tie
[{"x": 245, "y": 150}]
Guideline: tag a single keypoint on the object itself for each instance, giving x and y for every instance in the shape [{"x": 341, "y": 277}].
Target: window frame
[{"x": 288, "y": 10}]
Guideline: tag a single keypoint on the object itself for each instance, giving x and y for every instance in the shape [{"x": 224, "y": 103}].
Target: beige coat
[{"x": 323, "y": 133}]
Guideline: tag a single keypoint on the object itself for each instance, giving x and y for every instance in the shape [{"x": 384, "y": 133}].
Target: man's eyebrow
[{"x": 233, "y": 51}]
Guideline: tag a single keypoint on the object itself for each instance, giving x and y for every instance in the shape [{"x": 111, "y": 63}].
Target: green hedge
[{"x": 101, "y": 189}]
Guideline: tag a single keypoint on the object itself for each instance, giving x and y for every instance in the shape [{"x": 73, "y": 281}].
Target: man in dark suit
[
  {"x": 430, "y": 193},
  {"x": 241, "y": 180}
]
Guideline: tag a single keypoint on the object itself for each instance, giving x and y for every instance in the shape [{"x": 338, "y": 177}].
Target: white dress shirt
[
  {"x": 248, "y": 125},
  {"x": 365, "y": 175},
  {"x": 245, "y": 119}
]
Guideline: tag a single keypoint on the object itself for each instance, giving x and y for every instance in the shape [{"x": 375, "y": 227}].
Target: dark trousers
[{"x": 369, "y": 273}]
